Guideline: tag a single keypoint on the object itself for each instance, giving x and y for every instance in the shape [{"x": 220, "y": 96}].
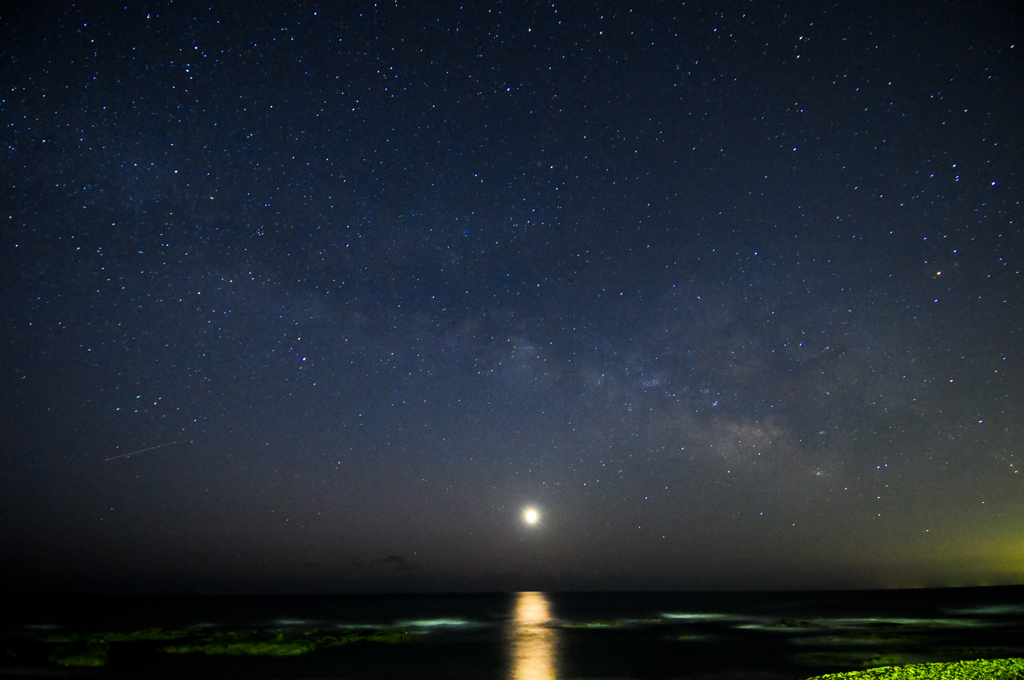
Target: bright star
[{"x": 531, "y": 516}]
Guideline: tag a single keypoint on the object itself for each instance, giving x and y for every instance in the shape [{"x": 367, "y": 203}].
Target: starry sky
[{"x": 729, "y": 292}]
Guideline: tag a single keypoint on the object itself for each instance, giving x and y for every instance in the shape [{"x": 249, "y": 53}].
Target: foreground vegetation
[{"x": 982, "y": 669}]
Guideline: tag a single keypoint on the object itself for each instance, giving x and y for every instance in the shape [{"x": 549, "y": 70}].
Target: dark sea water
[{"x": 525, "y": 636}]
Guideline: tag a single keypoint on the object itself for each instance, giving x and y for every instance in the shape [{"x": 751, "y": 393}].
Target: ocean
[{"x": 513, "y": 636}]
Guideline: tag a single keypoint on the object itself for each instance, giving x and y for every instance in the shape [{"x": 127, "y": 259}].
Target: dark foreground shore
[{"x": 953, "y": 634}]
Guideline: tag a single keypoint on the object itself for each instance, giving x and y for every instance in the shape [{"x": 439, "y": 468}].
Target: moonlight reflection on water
[{"x": 533, "y": 642}]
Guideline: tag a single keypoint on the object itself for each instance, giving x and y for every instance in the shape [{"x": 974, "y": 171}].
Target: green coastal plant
[{"x": 981, "y": 669}]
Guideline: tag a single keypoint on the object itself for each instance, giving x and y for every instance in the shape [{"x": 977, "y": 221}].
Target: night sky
[{"x": 729, "y": 293}]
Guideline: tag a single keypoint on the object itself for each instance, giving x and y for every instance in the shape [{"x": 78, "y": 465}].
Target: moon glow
[{"x": 531, "y": 516}]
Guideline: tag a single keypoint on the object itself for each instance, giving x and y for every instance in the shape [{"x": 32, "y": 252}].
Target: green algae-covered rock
[
  {"x": 62, "y": 638},
  {"x": 883, "y": 637},
  {"x": 388, "y": 636},
  {"x": 88, "y": 654},
  {"x": 791, "y": 623},
  {"x": 243, "y": 635},
  {"x": 244, "y": 643},
  {"x": 345, "y": 639},
  {"x": 251, "y": 648},
  {"x": 149, "y": 635},
  {"x": 592, "y": 624},
  {"x": 982, "y": 669},
  {"x": 319, "y": 631}
]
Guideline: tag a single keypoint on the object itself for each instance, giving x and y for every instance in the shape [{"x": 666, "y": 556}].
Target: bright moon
[{"x": 531, "y": 516}]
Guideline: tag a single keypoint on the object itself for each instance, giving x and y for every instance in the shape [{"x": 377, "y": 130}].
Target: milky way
[{"x": 732, "y": 297}]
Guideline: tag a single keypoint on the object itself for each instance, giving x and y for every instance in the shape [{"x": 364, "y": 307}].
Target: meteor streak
[{"x": 139, "y": 451}]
